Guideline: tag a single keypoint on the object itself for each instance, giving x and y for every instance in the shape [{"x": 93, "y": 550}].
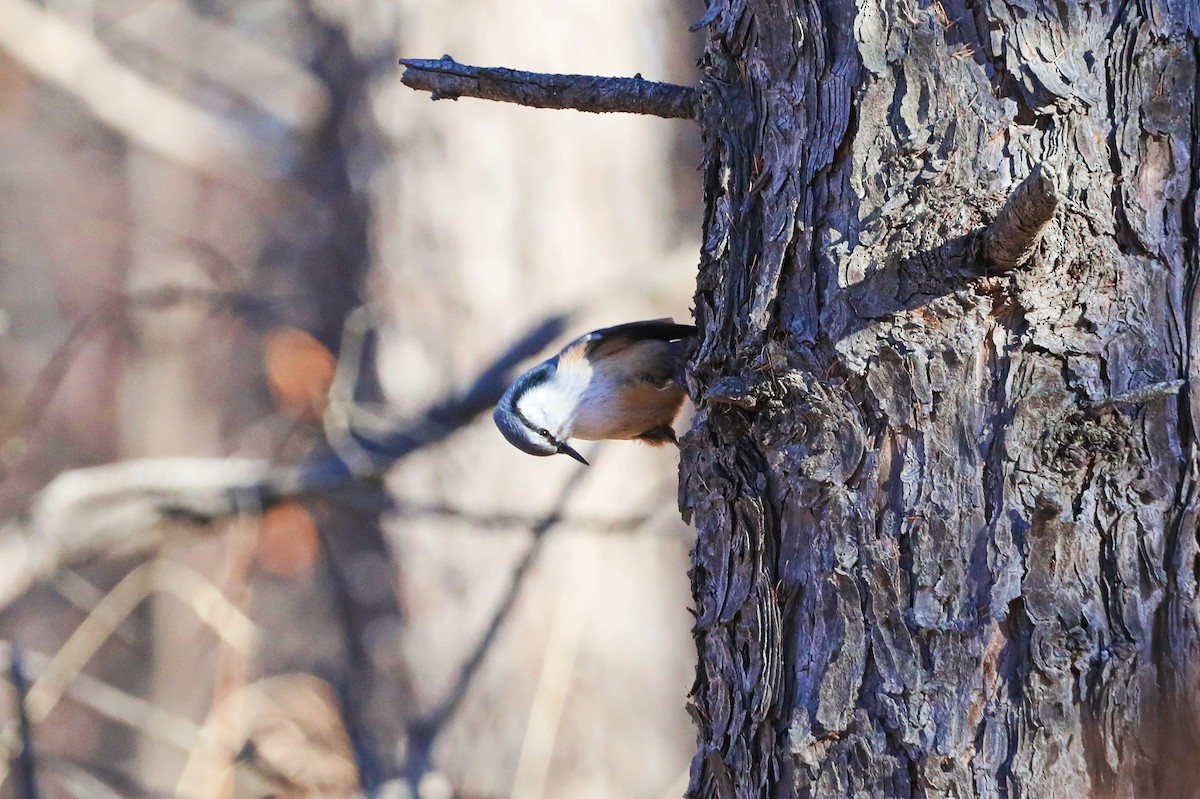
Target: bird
[{"x": 621, "y": 382}]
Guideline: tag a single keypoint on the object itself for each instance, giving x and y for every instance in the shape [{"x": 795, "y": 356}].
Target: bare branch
[
  {"x": 379, "y": 449},
  {"x": 211, "y": 606},
  {"x": 65, "y": 669},
  {"x": 118, "y": 509},
  {"x": 83, "y": 782},
  {"x": 1011, "y": 239},
  {"x": 446, "y": 78}
]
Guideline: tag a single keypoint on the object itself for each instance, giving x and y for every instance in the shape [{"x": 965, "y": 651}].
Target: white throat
[{"x": 555, "y": 403}]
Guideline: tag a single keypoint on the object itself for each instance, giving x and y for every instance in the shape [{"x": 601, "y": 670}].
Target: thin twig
[
  {"x": 225, "y": 619},
  {"x": 209, "y": 604},
  {"x": 84, "y": 597},
  {"x": 446, "y": 78},
  {"x": 96, "y": 780},
  {"x": 83, "y": 784},
  {"x": 342, "y": 412},
  {"x": 494, "y": 519}
]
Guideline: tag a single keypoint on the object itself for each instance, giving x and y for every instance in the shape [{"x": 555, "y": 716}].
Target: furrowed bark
[{"x": 946, "y": 519}]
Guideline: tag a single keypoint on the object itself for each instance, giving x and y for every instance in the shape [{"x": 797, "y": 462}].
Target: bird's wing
[{"x": 612, "y": 340}]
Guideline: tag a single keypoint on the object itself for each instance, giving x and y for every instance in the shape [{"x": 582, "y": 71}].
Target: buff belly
[{"x": 636, "y": 410}]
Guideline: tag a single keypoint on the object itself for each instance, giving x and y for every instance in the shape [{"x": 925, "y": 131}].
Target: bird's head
[{"x": 535, "y": 414}]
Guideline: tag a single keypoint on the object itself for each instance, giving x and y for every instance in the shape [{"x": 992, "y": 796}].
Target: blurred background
[{"x": 193, "y": 197}]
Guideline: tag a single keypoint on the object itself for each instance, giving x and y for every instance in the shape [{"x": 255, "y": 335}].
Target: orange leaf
[
  {"x": 300, "y": 370},
  {"x": 288, "y": 542}
]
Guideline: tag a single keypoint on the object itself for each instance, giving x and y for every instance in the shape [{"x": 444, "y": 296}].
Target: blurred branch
[
  {"x": 26, "y": 762},
  {"x": 284, "y": 736},
  {"x": 84, "y": 597},
  {"x": 493, "y": 519},
  {"x": 98, "y": 780},
  {"x": 446, "y": 78},
  {"x": 282, "y": 88},
  {"x": 560, "y": 658},
  {"x": 425, "y": 733},
  {"x": 378, "y": 444},
  {"x": 74, "y": 62},
  {"x": 108, "y": 313},
  {"x": 225, "y": 619},
  {"x": 125, "y": 507},
  {"x": 64, "y": 670},
  {"x": 82, "y": 783},
  {"x": 138, "y": 714},
  {"x": 118, "y": 509}
]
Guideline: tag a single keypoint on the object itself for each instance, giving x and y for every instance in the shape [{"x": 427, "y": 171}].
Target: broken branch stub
[{"x": 1010, "y": 240}]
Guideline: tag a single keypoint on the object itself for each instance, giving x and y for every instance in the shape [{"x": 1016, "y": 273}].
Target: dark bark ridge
[
  {"x": 770, "y": 141},
  {"x": 446, "y": 78},
  {"x": 943, "y": 467}
]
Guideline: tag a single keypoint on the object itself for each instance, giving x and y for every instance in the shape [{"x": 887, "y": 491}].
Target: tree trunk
[{"x": 945, "y": 498}]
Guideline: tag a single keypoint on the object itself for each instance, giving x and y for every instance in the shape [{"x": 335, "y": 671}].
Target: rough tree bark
[{"x": 945, "y": 493}]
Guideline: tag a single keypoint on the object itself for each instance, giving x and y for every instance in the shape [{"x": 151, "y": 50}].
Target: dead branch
[
  {"x": 226, "y": 620},
  {"x": 125, "y": 708},
  {"x": 1011, "y": 239},
  {"x": 1138, "y": 396},
  {"x": 446, "y": 78},
  {"x": 63, "y": 674}
]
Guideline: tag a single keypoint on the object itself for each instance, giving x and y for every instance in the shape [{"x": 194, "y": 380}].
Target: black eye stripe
[{"x": 541, "y": 431}]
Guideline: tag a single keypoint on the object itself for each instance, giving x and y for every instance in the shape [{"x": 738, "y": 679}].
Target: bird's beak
[{"x": 566, "y": 449}]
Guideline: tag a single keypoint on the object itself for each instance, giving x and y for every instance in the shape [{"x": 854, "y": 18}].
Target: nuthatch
[{"x": 617, "y": 382}]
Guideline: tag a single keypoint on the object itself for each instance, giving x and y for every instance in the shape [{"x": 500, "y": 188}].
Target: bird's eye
[{"x": 543, "y": 432}]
